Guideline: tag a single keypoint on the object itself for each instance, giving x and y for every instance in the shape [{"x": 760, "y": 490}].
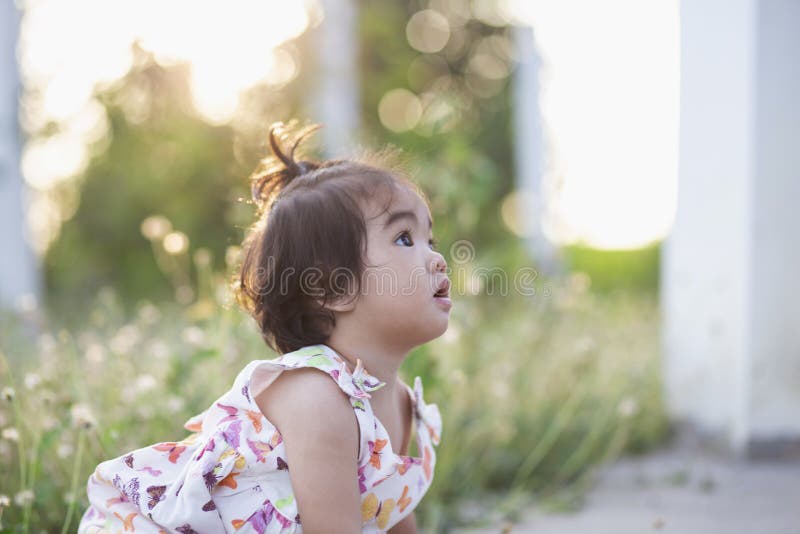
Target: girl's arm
[
  {"x": 407, "y": 526},
  {"x": 320, "y": 432}
]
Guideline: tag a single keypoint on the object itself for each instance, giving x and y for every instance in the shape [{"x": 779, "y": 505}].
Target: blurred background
[{"x": 546, "y": 134}]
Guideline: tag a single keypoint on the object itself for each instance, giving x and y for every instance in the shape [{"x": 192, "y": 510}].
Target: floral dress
[{"x": 231, "y": 474}]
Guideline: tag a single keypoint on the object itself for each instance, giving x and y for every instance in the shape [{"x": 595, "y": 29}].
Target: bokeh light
[
  {"x": 176, "y": 242},
  {"x": 428, "y": 31},
  {"x": 400, "y": 110}
]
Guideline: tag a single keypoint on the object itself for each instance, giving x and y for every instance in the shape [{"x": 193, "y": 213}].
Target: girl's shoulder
[{"x": 258, "y": 375}]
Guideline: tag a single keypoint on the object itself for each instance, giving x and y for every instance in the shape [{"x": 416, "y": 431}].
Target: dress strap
[{"x": 358, "y": 384}]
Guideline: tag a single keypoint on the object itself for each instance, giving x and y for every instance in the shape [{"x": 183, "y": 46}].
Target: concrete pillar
[
  {"x": 336, "y": 99},
  {"x": 730, "y": 284},
  {"x": 19, "y": 274},
  {"x": 530, "y": 149}
]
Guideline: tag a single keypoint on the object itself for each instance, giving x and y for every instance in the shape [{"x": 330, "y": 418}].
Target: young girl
[{"x": 341, "y": 274}]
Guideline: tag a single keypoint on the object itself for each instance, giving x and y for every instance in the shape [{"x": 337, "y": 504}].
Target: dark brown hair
[{"x": 308, "y": 244}]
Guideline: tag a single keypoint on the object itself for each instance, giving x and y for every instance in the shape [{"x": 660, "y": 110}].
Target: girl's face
[{"x": 404, "y": 272}]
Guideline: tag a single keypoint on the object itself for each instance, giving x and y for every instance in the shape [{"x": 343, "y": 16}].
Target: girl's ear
[{"x": 342, "y": 304}]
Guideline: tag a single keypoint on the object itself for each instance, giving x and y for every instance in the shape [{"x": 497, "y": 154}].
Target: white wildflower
[
  {"x": 174, "y": 404},
  {"x": 23, "y": 498},
  {"x": 500, "y": 390},
  {"x": 128, "y": 394},
  {"x": 47, "y": 343},
  {"x": 10, "y": 433},
  {"x": 49, "y": 422},
  {"x": 85, "y": 337},
  {"x": 125, "y": 339},
  {"x": 82, "y": 416},
  {"x": 4, "y": 501},
  {"x": 95, "y": 353},
  {"x": 159, "y": 349},
  {"x": 149, "y": 314},
  {"x": 145, "y": 411},
  {"x": 8, "y": 394},
  {"x": 585, "y": 345},
  {"x": 627, "y": 407},
  {"x": 32, "y": 380},
  {"x": 193, "y": 335},
  {"x": 145, "y": 383},
  {"x": 64, "y": 450}
]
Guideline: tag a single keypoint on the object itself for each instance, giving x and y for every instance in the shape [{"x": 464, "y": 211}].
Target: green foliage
[
  {"x": 162, "y": 159},
  {"x": 542, "y": 389},
  {"x": 610, "y": 270},
  {"x": 463, "y": 156},
  {"x": 166, "y": 162}
]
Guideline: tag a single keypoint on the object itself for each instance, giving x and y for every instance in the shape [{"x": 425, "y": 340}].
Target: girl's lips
[{"x": 444, "y": 302}]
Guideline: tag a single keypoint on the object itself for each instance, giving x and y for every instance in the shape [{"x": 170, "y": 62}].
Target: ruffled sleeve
[{"x": 429, "y": 413}]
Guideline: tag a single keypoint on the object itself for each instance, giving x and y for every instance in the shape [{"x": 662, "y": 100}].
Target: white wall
[
  {"x": 774, "y": 403},
  {"x": 729, "y": 290}
]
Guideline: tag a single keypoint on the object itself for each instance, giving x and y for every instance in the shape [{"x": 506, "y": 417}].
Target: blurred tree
[
  {"x": 461, "y": 141},
  {"x": 450, "y": 91},
  {"x": 162, "y": 159}
]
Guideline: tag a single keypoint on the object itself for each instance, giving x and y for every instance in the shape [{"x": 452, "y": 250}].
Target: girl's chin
[{"x": 444, "y": 303}]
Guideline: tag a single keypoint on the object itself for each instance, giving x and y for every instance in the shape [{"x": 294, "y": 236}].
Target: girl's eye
[
  {"x": 407, "y": 241},
  {"x": 406, "y": 237}
]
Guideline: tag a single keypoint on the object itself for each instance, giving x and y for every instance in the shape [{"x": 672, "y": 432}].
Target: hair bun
[
  {"x": 304, "y": 167},
  {"x": 276, "y": 171}
]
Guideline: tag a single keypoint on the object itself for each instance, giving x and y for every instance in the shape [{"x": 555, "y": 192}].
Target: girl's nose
[{"x": 439, "y": 263}]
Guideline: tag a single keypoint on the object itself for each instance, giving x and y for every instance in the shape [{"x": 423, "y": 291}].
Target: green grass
[{"x": 534, "y": 393}]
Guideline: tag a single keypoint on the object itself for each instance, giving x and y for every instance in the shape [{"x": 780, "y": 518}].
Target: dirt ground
[{"x": 681, "y": 489}]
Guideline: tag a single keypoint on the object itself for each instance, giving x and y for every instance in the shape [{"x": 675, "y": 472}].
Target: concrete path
[{"x": 681, "y": 490}]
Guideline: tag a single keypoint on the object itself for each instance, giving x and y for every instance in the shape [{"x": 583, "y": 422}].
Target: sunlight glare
[
  {"x": 68, "y": 49},
  {"x": 230, "y": 46},
  {"x": 609, "y": 98},
  {"x": 46, "y": 161}
]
